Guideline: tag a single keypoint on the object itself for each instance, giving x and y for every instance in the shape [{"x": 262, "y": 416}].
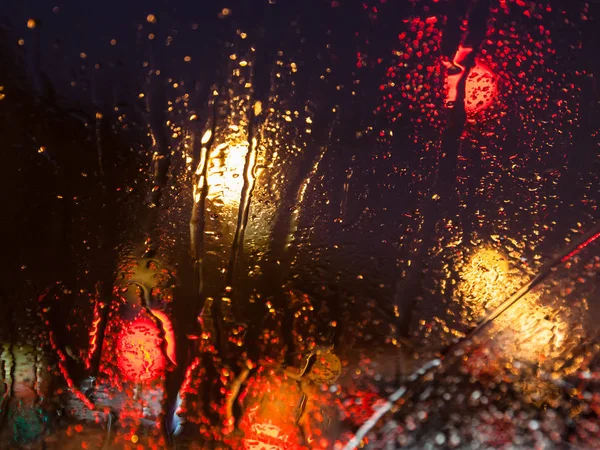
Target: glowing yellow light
[
  {"x": 206, "y": 137},
  {"x": 529, "y": 330},
  {"x": 257, "y": 108},
  {"x": 485, "y": 281},
  {"x": 226, "y": 173},
  {"x": 532, "y": 332}
]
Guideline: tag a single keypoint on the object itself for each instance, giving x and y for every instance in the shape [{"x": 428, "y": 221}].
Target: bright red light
[
  {"x": 480, "y": 90},
  {"x": 581, "y": 247},
  {"x": 480, "y": 87},
  {"x": 139, "y": 353}
]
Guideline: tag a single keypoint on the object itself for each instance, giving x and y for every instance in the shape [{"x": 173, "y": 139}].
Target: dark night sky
[{"x": 68, "y": 28}]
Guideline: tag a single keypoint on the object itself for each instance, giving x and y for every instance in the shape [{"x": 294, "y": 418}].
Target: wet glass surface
[{"x": 271, "y": 224}]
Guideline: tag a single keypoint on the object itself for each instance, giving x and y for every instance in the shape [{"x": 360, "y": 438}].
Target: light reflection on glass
[
  {"x": 530, "y": 330},
  {"x": 226, "y": 173}
]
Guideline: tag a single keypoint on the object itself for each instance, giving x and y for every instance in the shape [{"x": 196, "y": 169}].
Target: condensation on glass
[{"x": 282, "y": 225}]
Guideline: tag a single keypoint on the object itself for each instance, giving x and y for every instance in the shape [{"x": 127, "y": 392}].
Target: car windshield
[{"x": 318, "y": 224}]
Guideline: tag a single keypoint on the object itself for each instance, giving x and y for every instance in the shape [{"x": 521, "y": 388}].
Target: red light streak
[
  {"x": 93, "y": 336},
  {"x": 187, "y": 381},
  {"x": 453, "y": 79},
  {"x": 481, "y": 89},
  {"x": 581, "y": 247}
]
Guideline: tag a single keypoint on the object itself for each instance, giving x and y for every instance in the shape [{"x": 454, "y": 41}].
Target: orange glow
[
  {"x": 139, "y": 355},
  {"x": 272, "y": 406},
  {"x": 265, "y": 436},
  {"x": 486, "y": 280}
]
